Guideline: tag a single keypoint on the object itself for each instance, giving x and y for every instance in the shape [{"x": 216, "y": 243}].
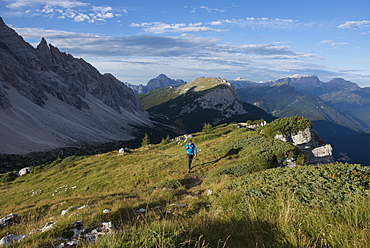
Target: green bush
[
  {"x": 165, "y": 141},
  {"x": 236, "y": 170},
  {"x": 7, "y": 177},
  {"x": 258, "y": 149},
  {"x": 285, "y": 126},
  {"x": 205, "y": 138},
  {"x": 323, "y": 185},
  {"x": 167, "y": 146},
  {"x": 172, "y": 184},
  {"x": 207, "y": 128}
]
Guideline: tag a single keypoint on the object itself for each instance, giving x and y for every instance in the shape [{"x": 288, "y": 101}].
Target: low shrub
[
  {"x": 321, "y": 185},
  {"x": 167, "y": 146},
  {"x": 236, "y": 170},
  {"x": 258, "y": 149},
  {"x": 172, "y": 184},
  {"x": 7, "y": 177},
  {"x": 285, "y": 126}
]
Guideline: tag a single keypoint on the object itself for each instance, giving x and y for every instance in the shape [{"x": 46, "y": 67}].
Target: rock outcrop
[
  {"x": 50, "y": 99},
  {"x": 8, "y": 220},
  {"x": 307, "y": 141},
  {"x": 223, "y": 99}
]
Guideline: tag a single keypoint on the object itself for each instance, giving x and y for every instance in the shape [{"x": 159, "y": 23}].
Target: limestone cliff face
[
  {"x": 223, "y": 99},
  {"x": 307, "y": 141},
  {"x": 50, "y": 99}
]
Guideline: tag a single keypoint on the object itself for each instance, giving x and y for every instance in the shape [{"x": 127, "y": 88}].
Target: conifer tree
[
  {"x": 145, "y": 140},
  {"x": 207, "y": 128},
  {"x": 165, "y": 141}
]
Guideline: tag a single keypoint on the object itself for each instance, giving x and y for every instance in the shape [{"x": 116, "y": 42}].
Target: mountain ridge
[
  {"x": 50, "y": 99},
  {"x": 204, "y": 100}
]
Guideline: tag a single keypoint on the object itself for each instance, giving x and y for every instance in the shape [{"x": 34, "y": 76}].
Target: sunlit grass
[{"x": 221, "y": 204}]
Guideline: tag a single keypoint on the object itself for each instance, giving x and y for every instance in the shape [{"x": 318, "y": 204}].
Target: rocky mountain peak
[
  {"x": 163, "y": 81},
  {"x": 342, "y": 84},
  {"x": 2, "y": 23},
  {"x": 43, "y": 50},
  {"x": 51, "y": 99}
]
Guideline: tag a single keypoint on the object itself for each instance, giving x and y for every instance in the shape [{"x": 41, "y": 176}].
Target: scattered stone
[
  {"x": 48, "y": 226},
  {"x": 178, "y": 205},
  {"x": 251, "y": 127},
  {"x": 7, "y": 240},
  {"x": 288, "y": 162},
  {"x": 121, "y": 152},
  {"x": 24, "y": 171},
  {"x": 62, "y": 245},
  {"x": 36, "y": 192},
  {"x": 64, "y": 212},
  {"x": 7, "y": 220},
  {"x": 209, "y": 192},
  {"x": 81, "y": 233},
  {"x": 72, "y": 243},
  {"x": 105, "y": 211},
  {"x": 141, "y": 210},
  {"x": 107, "y": 227},
  {"x": 77, "y": 229},
  {"x": 85, "y": 206}
]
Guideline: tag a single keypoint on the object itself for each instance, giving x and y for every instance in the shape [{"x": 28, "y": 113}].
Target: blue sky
[{"x": 257, "y": 40}]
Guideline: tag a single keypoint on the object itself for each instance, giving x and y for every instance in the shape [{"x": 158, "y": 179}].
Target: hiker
[{"x": 191, "y": 152}]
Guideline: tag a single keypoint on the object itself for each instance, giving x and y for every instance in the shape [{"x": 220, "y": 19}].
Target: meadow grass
[{"x": 229, "y": 200}]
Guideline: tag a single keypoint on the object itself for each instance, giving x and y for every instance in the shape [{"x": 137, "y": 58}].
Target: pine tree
[
  {"x": 145, "y": 140},
  {"x": 165, "y": 141},
  {"x": 207, "y": 128}
]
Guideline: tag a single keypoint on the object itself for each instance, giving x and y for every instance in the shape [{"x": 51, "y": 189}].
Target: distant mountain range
[
  {"x": 338, "y": 101},
  {"x": 339, "y": 109},
  {"x": 50, "y": 99},
  {"x": 155, "y": 83}
]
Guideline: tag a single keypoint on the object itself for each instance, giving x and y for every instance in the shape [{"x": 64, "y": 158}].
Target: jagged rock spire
[
  {"x": 43, "y": 49},
  {"x": 2, "y": 23}
]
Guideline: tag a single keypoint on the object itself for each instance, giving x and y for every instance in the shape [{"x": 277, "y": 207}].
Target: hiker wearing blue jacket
[{"x": 191, "y": 152}]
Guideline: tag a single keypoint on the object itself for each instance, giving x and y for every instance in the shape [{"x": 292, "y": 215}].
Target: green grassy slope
[
  {"x": 161, "y": 95},
  {"x": 235, "y": 197}
]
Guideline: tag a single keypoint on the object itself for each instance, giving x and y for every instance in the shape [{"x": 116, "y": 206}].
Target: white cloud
[
  {"x": 16, "y": 4},
  {"x": 145, "y": 56},
  {"x": 339, "y": 44},
  {"x": 355, "y": 24},
  {"x": 65, "y": 9},
  {"x": 211, "y": 10},
  {"x": 333, "y": 44},
  {"x": 81, "y": 17},
  {"x": 326, "y": 41},
  {"x": 47, "y": 10},
  {"x": 263, "y": 22},
  {"x": 160, "y": 27},
  {"x": 215, "y": 23},
  {"x": 205, "y": 9}
]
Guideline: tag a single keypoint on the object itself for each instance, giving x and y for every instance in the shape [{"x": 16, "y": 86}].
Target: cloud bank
[{"x": 64, "y": 9}]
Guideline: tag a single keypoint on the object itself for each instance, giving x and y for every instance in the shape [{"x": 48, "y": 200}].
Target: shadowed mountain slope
[{"x": 50, "y": 99}]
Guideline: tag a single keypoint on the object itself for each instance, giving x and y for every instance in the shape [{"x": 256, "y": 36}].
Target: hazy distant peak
[{"x": 300, "y": 76}]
